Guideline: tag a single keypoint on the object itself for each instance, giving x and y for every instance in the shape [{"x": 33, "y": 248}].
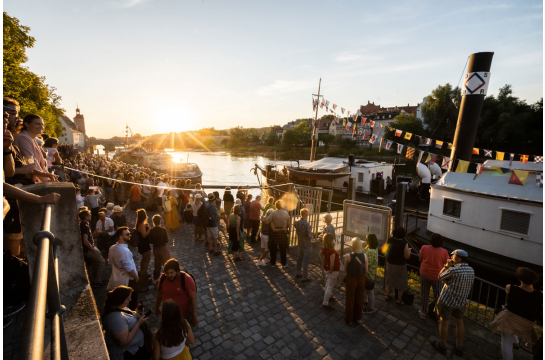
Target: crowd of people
[{"x": 105, "y": 187}]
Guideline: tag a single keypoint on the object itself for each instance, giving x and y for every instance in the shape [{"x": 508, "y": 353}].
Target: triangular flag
[
  {"x": 479, "y": 171},
  {"x": 433, "y": 158},
  {"x": 487, "y": 153},
  {"x": 475, "y": 151},
  {"x": 399, "y": 148},
  {"x": 326, "y": 108},
  {"x": 462, "y": 166},
  {"x": 410, "y": 153},
  {"x": 322, "y": 105},
  {"x": 539, "y": 180},
  {"x": 373, "y": 138},
  {"x": 511, "y": 157},
  {"x": 538, "y": 159},
  {"x": 500, "y": 169},
  {"x": 356, "y": 119},
  {"x": 408, "y": 136},
  {"x": 499, "y": 155},
  {"x": 380, "y": 146},
  {"x": 428, "y": 158},
  {"x": 420, "y": 153},
  {"x": 446, "y": 163},
  {"x": 518, "y": 177},
  {"x": 342, "y": 110},
  {"x": 524, "y": 158},
  {"x": 399, "y": 132},
  {"x": 438, "y": 144},
  {"x": 334, "y": 106},
  {"x": 449, "y": 146},
  {"x": 389, "y": 144},
  {"x": 348, "y": 113},
  {"x": 327, "y": 103}
]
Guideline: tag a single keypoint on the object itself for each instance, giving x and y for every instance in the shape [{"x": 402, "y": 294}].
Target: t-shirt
[
  {"x": 119, "y": 221},
  {"x": 327, "y": 262},
  {"x": 85, "y": 230},
  {"x": 50, "y": 155},
  {"x": 433, "y": 260},
  {"x": 161, "y": 190},
  {"x": 93, "y": 200},
  {"x": 173, "y": 290},
  {"x": 255, "y": 210},
  {"x": 114, "y": 323},
  {"x": 279, "y": 218},
  {"x": 158, "y": 236},
  {"x": 195, "y": 207},
  {"x": 135, "y": 192},
  {"x": 79, "y": 201},
  {"x": 107, "y": 224},
  {"x": 146, "y": 189}
]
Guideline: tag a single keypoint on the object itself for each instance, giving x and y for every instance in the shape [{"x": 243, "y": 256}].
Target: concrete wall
[{"x": 81, "y": 319}]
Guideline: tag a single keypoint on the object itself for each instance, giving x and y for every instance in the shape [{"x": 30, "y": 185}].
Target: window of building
[
  {"x": 452, "y": 208},
  {"x": 360, "y": 177},
  {"x": 390, "y": 116},
  {"x": 514, "y": 221}
]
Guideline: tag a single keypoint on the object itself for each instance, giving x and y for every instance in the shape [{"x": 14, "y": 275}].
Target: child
[
  {"x": 332, "y": 264},
  {"x": 158, "y": 237},
  {"x": 234, "y": 233}
]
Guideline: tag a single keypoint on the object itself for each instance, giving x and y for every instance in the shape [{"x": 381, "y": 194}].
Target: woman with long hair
[
  {"x": 432, "y": 257},
  {"x": 356, "y": 267},
  {"x": 331, "y": 264},
  {"x": 123, "y": 334},
  {"x": 144, "y": 248},
  {"x": 171, "y": 216},
  {"x": 174, "y": 334}
]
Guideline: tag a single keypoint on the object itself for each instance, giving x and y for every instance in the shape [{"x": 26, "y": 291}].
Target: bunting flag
[
  {"x": 446, "y": 163},
  {"x": 518, "y": 177},
  {"x": 428, "y": 141},
  {"x": 538, "y": 159},
  {"x": 342, "y": 110},
  {"x": 348, "y": 113},
  {"x": 539, "y": 180},
  {"x": 348, "y": 125},
  {"x": 410, "y": 153},
  {"x": 344, "y": 122},
  {"x": 372, "y": 123},
  {"x": 373, "y": 138},
  {"x": 322, "y": 105},
  {"x": 354, "y": 130},
  {"x": 365, "y": 133},
  {"x": 501, "y": 170},
  {"x": 438, "y": 144},
  {"x": 462, "y": 166},
  {"x": 331, "y": 110},
  {"x": 499, "y": 155},
  {"x": 487, "y": 153},
  {"x": 327, "y": 103},
  {"x": 479, "y": 171},
  {"x": 392, "y": 129},
  {"x": 449, "y": 146},
  {"x": 380, "y": 146},
  {"x": 475, "y": 151},
  {"x": 334, "y": 106},
  {"x": 399, "y": 148},
  {"x": 326, "y": 108},
  {"x": 408, "y": 136},
  {"x": 431, "y": 158},
  {"x": 356, "y": 119},
  {"x": 524, "y": 158},
  {"x": 511, "y": 157},
  {"x": 381, "y": 125},
  {"x": 399, "y": 132},
  {"x": 420, "y": 153},
  {"x": 389, "y": 144}
]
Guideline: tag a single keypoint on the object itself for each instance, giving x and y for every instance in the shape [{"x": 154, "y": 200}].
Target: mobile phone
[{"x": 148, "y": 313}]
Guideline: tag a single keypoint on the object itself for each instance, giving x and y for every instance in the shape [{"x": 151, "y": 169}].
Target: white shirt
[
  {"x": 195, "y": 207},
  {"x": 146, "y": 189},
  {"x": 161, "y": 190},
  {"x": 107, "y": 222},
  {"x": 121, "y": 257},
  {"x": 79, "y": 201}
]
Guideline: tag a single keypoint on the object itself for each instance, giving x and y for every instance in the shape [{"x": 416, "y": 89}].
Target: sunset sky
[{"x": 172, "y": 65}]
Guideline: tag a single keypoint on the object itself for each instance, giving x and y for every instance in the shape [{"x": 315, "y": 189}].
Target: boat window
[
  {"x": 360, "y": 177},
  {"x": 515, "y": 221},
  {"x": 452, "y": 208}
]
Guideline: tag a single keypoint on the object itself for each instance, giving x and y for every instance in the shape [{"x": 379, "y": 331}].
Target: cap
[
  {"x": 118, "y": 208},
  {"x": 238, "y": 202},
  {"x": 460, "y": 253}
]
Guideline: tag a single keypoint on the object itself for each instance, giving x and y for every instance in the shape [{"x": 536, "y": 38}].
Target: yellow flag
[
  {"x": 499, "y": 155},
  {"x": 462, "y": 166},
  {"x": 408, "y": 136},
  {"x": 428, "y": 158}
]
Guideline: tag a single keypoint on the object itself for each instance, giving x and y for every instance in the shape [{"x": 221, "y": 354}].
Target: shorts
[
  {"x": 213, "y": 232},
  {"x": 143, "y": 246},
  {"x": 264, "y": 241},
  {"x": 197, "y": 221},
  {"x": 446, "y": 312}
]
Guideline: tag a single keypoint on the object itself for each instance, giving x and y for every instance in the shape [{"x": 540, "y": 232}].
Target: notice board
[{"x": 361, "y": 219}]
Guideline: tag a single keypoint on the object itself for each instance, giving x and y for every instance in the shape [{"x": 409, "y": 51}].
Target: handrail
[{"x": 44, "y": 291}]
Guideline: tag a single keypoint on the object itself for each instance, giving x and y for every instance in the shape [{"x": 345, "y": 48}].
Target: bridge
[
  {"x": 218, "y": 140},
  {"x": 206, "y": 140}
]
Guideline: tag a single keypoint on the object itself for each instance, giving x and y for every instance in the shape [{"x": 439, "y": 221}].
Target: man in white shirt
[
  {"x": 104, "y": 230},
  {"x": 121, "y": 257},
  {"x": 161, "y": 188}
]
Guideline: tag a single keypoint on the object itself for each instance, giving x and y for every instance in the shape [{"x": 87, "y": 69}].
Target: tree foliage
[
  {"x": 300, "y": 135},
  {"x": 33, "y": 94},
  {"x": 407, "y": 123},
  {"x": 240, "y": 136},
  {"x": 270, "y": 137},
  {"x": 440, "y": 111}
]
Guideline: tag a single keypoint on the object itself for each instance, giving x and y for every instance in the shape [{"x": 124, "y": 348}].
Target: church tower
[{"x": 79, "y": 121}]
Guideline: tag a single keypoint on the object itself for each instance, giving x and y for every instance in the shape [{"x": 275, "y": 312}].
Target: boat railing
[{"x": 44, "y": 295}]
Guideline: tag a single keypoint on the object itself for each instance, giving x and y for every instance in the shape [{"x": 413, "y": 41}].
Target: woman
[
  {"x": 228, "y": 201},
  {"x": 196, "y": 221},
  {"x": 328, "y": 228},
  {"x": 123, "y": 328},
  {"x": 119, "y": 192},
  {"x": 266, "y": 232},
  {"x": 234, "y": 233},
  {"x": 174, "y": 334},
  {"x": 270, "y": 205},
  {"x": 171, "y": 216},
  {"x": 331, "y": 264},
  {"x": 183, "y": 206},
  {"x": 372, "y": 262},
  {"x": 218, "y": 200},
  {"x": 53, "y": 157},
  {"x": 144, "y": 248},
  {"x": 524, "y": 307},
  {"x": 33, "y": 126},
  {"x": 356, "y": 267},
  {"x": 397, "y": 253},
  {"x": 432, "y": 257},
  {"x": 247, "y": 222}
]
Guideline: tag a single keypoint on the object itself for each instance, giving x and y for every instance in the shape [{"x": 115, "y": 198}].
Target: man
[
  {"x": 170, "y": 287},
  {"x": 304, "y": 239},
  {"x": 136, "y": 200},
  {"x": 91, "y": 254},
  {"x": 121, "y": 257},
  {"x": 160, "y": 189},
  {"x": 94, "y": 199},
  {"x": 280, "y": 226},
  {"x": 104, "y": 230},
  {"x": 255, "y": 216},
  {"x": 458, "y": 278},
  {"x": 118, "y": 217},
  {"x": 212, "y": 231},
  {"x": 158, "y": 237}
]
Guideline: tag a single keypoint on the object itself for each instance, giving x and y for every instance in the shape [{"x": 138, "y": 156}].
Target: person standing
[
  {"x": 280, "y": 226},
  {"x": 304, "y": 244},
  {"x": 136, "y": 199},
  {"x": 255, "y": 217},
  {"x": 94, "y": 200},
  {"x": 266, "y": 232},
  {"x": 247, "y": 223},
  {"x": 171, "y": 212},
  {"x": 144, "y": 248},
  {"x": 397, "y": 253},
  {"x": 161, "y": 186},
  {"x": 270, "y": 205},
  {"x": 104, "y": 230},
  {"x": 228, "y": 201},
  {"x": 458, "y": 278},
  {"x": 121, "y": 260},
  {"x": 91, "y": 253},
  {"x": 212, "y": 230},
  {"x": 331, "y": 264},
  {"x": 180, "y": 287},
  {"x": 196, "y": 220},
  {"x": 234, "y": 232},
  {"x": 524, "y": 308},
  {"x": 356, "y": 268},
  {"x": 432, "y": 258},
  {"x": 371, "y": 253},
  {"x": 174, "y": 334},
  {"x": 158, "y": 237}
]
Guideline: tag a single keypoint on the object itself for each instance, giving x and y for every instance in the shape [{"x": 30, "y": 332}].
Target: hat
[
  {"x": 211, "y": 198},
  {"x": 110, "y": 206},
  {"x": 198, "y": 196},
  {"x": 118, "y": 208},
  {"x": 460, "y": 253},
  {"x": 238, "y": 202},
  {"x": 228, "y": 188}
]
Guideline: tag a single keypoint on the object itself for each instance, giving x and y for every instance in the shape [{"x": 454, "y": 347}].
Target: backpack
[
  {"x": 204, "y": 215},
  {"x": 166, "y": 205},
  {"x": 182, "y": 280},
  {"x": 188, "y": 215}
]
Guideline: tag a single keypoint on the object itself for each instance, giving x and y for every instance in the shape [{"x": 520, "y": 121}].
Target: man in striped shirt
[{"x": 458, "y": 278}]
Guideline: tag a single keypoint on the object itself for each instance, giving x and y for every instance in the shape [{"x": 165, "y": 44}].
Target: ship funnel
[
  {"x": 436, "y": 170},
  {"x": 424, "y": 173}
]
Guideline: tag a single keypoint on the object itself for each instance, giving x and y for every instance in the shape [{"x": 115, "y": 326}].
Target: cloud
[
  {"x": 280, "y": 87},
  {"x": 125, "y": 4}
]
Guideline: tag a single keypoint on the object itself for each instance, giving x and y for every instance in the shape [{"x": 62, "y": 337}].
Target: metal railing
[{"x": 44, "y": 291}]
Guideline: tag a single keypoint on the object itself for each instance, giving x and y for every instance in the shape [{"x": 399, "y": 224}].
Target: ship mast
[{"x": 314, "y": 132}]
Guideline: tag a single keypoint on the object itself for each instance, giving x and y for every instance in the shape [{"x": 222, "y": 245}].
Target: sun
[{"x": 171, "y": 119}]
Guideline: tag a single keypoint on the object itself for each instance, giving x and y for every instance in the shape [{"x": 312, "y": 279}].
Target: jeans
[
  {"x": 507, "y": 341},
  {"x": 274, "y": 244},
  {"x": 436, "y": 285},
  {"x": 330, "y": 280},
  {"x": 303, "y": 259},
  {"x": 96, "y": 262},
  {"x": 255, "y": 227}
]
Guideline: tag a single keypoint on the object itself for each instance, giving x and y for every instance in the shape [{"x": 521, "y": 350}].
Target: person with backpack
[
  {"x": 180, "y": 287},
  {"x": 210, "y": 219}
]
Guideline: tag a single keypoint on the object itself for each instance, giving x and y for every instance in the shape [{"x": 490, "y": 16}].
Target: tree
[
  {"x": 299, "y": 135},
  {"x": 270, "y": 137},
  {"x": 137, "y": 136},
  {"x": 327, "y": 139},
  {"x": 407, "y": 123},
  {"x": 440, "y": 111}
]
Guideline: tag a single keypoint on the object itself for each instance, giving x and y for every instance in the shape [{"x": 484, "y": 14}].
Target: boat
[{"x": 160, "y": 162}]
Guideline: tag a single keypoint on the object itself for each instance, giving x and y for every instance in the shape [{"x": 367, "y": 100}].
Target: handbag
[{"x": 119, "y": 277}]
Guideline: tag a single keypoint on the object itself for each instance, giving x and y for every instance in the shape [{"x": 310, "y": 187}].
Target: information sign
[{"x": 361, "y": 219}]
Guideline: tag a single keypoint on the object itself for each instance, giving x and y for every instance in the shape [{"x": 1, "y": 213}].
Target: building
[
  {"x": 371, "y": 108},
  {"x": 73, "y": 131},
  {"x": 324, "y": 125},
  {"x": 288, "y": 126}
]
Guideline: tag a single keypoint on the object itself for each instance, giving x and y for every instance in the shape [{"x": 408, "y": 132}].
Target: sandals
[
  {"x": 400, "y": 302},
  {"x": 387, "y": 298}
]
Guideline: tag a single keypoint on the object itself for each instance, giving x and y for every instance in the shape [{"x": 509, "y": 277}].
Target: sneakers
[
  {"x": 285, "y": 266},
  {"x": 261, "y": 263},
  {"x": 366, "y": 310},
  {"x": 422, "y": 315},
  {"x": 267, "y": 261}
]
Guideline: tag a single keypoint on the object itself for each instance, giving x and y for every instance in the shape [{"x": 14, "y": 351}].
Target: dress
[
  {"x": 235, "y": 245},
  {"x": 396, "y": 265},
  {"x": 171, "y": 217}
]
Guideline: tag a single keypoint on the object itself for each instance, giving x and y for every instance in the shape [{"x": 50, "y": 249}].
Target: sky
[{"x": 176, "y": 65}]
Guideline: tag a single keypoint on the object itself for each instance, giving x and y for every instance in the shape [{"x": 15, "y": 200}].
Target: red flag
[
  {"x": 399, "y": 132},
  {"x": 372, "y": 123},
  {"x": 363, "y": 120}
]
